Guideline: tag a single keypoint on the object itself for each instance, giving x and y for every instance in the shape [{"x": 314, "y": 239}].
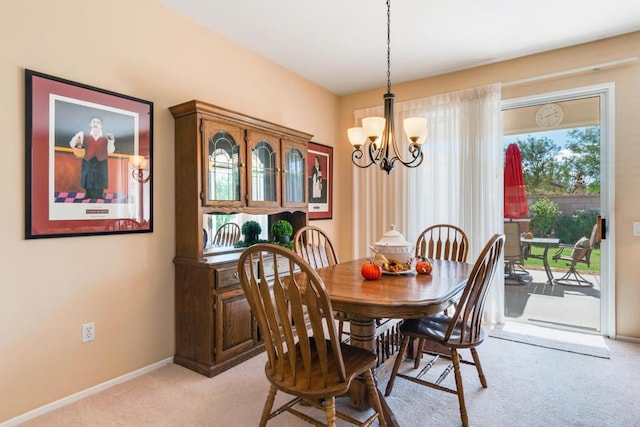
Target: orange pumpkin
[
  {"x": 424, "y": 267},
  {"x": 371, "y": 271}
]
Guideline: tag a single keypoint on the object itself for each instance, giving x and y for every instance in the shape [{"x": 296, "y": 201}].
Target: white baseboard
[
  {"x": 84, "y": 393},
  {"x": 629, "y": 339}
]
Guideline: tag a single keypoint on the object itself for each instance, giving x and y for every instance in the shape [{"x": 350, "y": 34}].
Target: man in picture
[{"x": 95, "y": 173}]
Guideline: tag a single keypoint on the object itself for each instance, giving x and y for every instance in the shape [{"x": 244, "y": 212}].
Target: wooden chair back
[
  {"x": 443, "y": 241},
  {"x": 315, "y": 247},
  {"x": 281, "y": 303},
  {"x": 468, "y": 314},
  {"x": 226, "y": 235}
]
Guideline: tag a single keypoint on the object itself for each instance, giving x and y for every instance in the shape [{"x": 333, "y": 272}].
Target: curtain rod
[{"x": 595, "y": 67}]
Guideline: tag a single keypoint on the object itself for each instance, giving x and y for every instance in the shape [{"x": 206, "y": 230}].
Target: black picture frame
[
  {"x": 320, "y": 184},
  {"x": 79, "y": 182}
]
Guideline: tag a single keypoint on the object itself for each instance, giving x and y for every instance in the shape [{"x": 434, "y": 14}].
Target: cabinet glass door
[
  {"x": 294, "y": 174},
  {"x": 265, "y": 170},
  {"x": 223, "y": 176}
]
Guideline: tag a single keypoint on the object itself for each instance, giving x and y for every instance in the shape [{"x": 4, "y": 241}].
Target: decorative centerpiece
[
  {"x": 251, "y": 231},
  {"x": 281, "y": 231},
  {"x": 393, "y": 246}
]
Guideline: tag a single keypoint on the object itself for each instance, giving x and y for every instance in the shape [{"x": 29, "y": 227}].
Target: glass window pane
[
  {"x": 224, "y": 174},
  {"x": 294, "y": 176},
  {"x": 263, "y": 175}
]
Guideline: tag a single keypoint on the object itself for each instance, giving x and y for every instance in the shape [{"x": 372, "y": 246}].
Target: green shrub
[
  {"x": 571, "y": 227},
  {"x": 544, "y": 214}
]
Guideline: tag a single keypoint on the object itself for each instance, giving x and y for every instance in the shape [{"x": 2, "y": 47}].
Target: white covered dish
[{"x": 394, "y": 246}]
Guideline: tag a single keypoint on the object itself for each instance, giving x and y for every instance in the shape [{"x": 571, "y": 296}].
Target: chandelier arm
[
  {"x": 414, "y": 162},
  {"x": 358, "y": 154}
]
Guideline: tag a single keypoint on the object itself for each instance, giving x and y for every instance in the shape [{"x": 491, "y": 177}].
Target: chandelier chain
[
  {"x": 377, "y": 139},
  {"x": 388, "y": 46}
]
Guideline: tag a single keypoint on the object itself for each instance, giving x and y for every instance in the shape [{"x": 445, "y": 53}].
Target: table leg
[
  {"x": 547, "y": 267},
  {"x": 363, "y": 334}
]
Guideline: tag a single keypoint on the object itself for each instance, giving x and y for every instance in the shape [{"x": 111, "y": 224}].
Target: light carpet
[
  {"x": 589, "y": 344},
  {"x": 528, "y": 386}
]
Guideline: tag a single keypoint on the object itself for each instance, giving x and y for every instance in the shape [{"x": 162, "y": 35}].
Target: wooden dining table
[{"x": 398, "y": 296}]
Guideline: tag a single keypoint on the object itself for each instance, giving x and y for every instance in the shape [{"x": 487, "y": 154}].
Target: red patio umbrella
[{"x": 515, "y": 197}]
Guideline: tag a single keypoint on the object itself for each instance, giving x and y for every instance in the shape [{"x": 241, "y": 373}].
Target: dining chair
[
  {"x": 307, "y": 362},
  {"x": 463, "y": 330},
  {"x": 226, "y": 235},
  {"x": 441, "y": 241},
  {"x": 316, "y": 248},
  {"x": 580, "y": 253}
]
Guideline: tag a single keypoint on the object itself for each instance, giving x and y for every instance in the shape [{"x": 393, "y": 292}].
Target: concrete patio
[{"x": 572, "y": 308}]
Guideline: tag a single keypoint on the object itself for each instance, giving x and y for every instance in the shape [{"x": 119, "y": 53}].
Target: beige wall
[
  {"x": 124, "y": 283},
  {"x": 627, "y": 146}
]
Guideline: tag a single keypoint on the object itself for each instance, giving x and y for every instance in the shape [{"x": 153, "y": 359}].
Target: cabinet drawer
[
  {"x": 227, "y": 277},
  {"x": 269, "y": 270}
]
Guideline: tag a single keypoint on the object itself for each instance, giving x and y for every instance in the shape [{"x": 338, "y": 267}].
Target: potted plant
[
  {"x": 251, "y": 231},
  {"x": 281, "y": 231}
]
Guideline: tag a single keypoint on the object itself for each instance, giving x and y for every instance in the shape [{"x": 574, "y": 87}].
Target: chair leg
[
  {"x": 268, "y": 405},
  {"x": 330, "y": 409},
  {"x": 455, "y": 358},
  {"x": 374, "y": 398},
  {"x": 340, "y": 329},
  {"x": 476, "y": 361},
  {"x": 573, "y": 278},
  {"x": 418, "y": 351},
  {"x": 397, "y": 363}
]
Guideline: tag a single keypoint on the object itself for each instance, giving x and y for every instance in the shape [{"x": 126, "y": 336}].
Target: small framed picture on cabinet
[{"x": 320, "y": 179}]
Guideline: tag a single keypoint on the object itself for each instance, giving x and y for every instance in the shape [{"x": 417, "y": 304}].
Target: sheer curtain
[{"x": 459, "y": 182}]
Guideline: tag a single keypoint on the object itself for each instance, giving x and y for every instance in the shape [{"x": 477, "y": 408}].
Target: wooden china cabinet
[{"x": 226, "y": 163}]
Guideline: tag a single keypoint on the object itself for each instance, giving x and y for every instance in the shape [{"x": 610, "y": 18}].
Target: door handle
[{"x": 602, "y": 227}]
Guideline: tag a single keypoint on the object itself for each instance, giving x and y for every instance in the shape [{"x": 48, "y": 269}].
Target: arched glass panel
[
  {"x": 294, "y": 176},
  {"x": 224, "y": 174},
  {"x": 263, "y": 173}
]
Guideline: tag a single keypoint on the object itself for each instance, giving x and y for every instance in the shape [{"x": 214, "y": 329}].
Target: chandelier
[{"x": 376, "y": 136}]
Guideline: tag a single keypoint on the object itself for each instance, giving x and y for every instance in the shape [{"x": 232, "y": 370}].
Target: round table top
[{"x": 394, "y": 296}]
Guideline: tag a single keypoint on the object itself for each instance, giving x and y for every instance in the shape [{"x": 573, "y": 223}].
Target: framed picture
[
  {"x": 320, "y": 161},
  {"x": 89, "y": 160}
]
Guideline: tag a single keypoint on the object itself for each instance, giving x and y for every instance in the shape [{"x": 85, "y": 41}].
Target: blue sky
[{"x": 559, "y": 136}]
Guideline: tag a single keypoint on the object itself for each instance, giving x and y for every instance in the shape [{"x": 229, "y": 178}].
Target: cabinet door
[
  {"x": 235, "y": 329},
  {"x": 223, "y": 165},
  {"x": 263, "y": 155},
  {"x": 294, "y": 156}
]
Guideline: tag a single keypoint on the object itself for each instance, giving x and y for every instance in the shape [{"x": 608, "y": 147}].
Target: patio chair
[
  {"x": 580, "y": 254},
  {"x": 514, "y": 255}
]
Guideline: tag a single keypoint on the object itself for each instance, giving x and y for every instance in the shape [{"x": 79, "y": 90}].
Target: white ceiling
[{"x": 341, "y": 45}]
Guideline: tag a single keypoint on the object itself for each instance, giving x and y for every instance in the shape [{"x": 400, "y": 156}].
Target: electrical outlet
[{"x": 88, "y": 332}]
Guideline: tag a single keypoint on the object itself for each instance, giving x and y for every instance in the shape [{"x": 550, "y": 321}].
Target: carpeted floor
[
  {"x": 589, "y": 344},
  {"x": 528, "y": 386}
]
